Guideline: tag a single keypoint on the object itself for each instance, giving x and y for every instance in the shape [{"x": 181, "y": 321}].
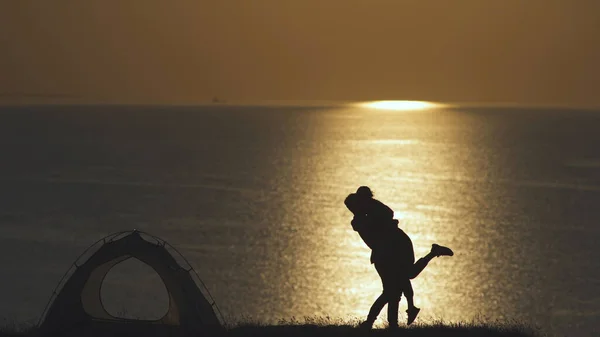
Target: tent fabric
[{"x": 78, "y": 304}]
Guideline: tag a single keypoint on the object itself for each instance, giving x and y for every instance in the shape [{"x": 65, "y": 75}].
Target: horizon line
[{"x": 313, "y": 103}]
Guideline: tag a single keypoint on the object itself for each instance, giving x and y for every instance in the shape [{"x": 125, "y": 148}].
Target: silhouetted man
[{"x": 391, "y": 252}]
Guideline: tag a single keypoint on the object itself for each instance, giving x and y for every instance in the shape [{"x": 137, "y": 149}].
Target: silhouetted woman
[{"x": 391, "y": 252}]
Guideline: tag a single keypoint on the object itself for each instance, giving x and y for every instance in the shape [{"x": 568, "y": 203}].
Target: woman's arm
[{"x": 381, "y": 211}]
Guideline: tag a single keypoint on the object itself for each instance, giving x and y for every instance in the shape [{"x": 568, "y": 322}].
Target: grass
[{"x": 330, "y": 327}]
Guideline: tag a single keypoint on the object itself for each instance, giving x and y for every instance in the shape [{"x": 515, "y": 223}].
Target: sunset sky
[{"x": 150, "y": 51}]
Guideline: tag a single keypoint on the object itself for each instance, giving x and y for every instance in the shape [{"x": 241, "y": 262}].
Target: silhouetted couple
[{"x": 391, "y": 253}]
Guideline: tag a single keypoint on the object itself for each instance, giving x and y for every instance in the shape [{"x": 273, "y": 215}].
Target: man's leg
[
  {"x": 381, "y": 301},
  {"x": 392, "y": 291},
  {"x": 393, "y": 304},
  {"x": 391, "y": 294},
  {"x": 376, "y": 308}
]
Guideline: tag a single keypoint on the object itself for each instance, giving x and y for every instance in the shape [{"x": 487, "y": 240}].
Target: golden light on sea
[
  {"x": 400, "y": 160},
  {"x": 399, "y": 105}
]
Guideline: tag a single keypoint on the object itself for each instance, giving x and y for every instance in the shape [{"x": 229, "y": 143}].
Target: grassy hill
[{"x": 312, "y": 327}]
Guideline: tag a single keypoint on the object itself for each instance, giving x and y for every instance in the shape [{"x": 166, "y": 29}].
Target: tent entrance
[{"x": 133, "y": 290}]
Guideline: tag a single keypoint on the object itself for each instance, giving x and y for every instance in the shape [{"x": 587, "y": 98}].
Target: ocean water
[{"x": 253, "y": 197}]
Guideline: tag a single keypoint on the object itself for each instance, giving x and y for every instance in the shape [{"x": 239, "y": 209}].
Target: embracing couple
[{"x": 391, "y": 253}]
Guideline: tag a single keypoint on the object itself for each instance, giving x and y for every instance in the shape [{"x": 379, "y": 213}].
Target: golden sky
[{"x": 159, "y": 51}]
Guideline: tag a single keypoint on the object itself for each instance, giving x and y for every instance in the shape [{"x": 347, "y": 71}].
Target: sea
[{"x": 252, "y": 196}]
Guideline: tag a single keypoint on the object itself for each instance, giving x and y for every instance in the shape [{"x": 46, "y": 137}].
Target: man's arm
[{"x": 359, "y": 223}]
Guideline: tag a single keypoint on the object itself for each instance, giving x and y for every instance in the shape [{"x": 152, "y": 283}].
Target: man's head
[
  {"x": 358, "y": 202},
  {"x": 353, "y": 204}
]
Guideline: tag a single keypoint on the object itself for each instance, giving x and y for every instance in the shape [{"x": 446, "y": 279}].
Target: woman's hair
[{"x": 364, "y": 191}]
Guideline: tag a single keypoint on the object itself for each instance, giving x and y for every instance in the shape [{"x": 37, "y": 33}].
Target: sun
[{"x": 399, "y": 105}]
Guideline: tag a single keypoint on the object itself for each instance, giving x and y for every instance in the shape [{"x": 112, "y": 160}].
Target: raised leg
[{"x": 436, "y": 251}]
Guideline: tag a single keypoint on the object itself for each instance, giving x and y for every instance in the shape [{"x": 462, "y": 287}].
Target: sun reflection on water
[
  {"x": 400, "y": 105},
  {"x": 338, "y": 271}
]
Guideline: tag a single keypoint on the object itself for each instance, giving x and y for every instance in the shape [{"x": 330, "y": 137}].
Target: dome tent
[{"x": 76, "y": 305}]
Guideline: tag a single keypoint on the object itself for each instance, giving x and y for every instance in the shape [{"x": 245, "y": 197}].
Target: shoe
[
  {"x": 366, "y": 325},
  {"x": 438, "y": 250},
  {"x": 412, "y": 314}
]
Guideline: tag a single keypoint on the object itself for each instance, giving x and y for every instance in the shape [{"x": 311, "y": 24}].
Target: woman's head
[{"x": 364, "y": 192}]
